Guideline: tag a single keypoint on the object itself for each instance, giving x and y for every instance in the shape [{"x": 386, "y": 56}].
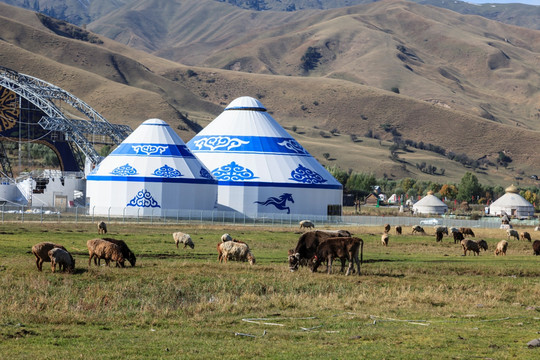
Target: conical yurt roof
[
  {"x": 152, "y": 166},
  {"x": 244, "y": 147},
  {"x": 430, "y": 204},
  {"x": 247, "y": 137}
]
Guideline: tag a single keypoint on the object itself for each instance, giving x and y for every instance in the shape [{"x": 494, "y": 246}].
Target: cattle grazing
[
  {"x": 458, "y": 236},
  {"x": 502, "y": 246},
  {"x": 439, "y": 236},
  {"x": 398, "y": 230},
  {"x": 536, "y": 247},
  {"x": 384, "y": 239},
  {"x": 512, "y": 233},
  {"x": 386, "y": 228},
  {"x": 307, "y": 245},
  {"x": 441, "y": 229},
  {"x": 525, "y": 236},
  {"x": 102, "y": 227},
  {"x": 467, "y": 231},
  {"x": 418, "y": 229},
  {"x": 344, "y": 248},
  {"x": 306, "y": 224}
]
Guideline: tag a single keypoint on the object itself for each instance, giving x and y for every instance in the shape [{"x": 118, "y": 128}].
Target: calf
[{"x": 342, "y": 248}]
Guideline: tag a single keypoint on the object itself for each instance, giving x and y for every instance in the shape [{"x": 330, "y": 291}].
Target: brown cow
[
  {"x": 344, "y": 248},
  {"x": 536, "y": 247},
  {"x": 307, "y": 245},
  {"x": 458, "y": 236}
]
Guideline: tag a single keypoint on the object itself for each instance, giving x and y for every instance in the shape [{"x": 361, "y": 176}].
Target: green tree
[
  {"x": 360, "y": 183},
  {"x": 469, "y": 187},
  {"x": 341, "y": 175}
]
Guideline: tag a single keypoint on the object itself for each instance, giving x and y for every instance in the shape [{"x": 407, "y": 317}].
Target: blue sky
[{"x": 530, "y": 2}]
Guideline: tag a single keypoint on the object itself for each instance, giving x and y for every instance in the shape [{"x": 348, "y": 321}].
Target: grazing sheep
[
  {"x": 502, "y": 246},
  {"x": 101, "y": 249},
  {"x": 470, "y": 245},
  {"x": 441, "y": 229},
  {"x": 386, "y": 228},
  {"x": 512, "y": 233},
  {"x": 536, "y": 247},
  {"x": 467, "y": 231},
  {"x": 237, "y": 251},
  {"x": 126, "y": 252},
  {"x": 398, "y": 230},
  {"x": 180, "y": 237},
  {"x": 306, "y": 224},
  {"x": 482, "y": 244},
  {"x": 525, "y": 235},
  {"x": 458, "y": 236},
  {"x": 454, "y": 230},
  {"x": 418, "y": 229},
  {"x": 41, "y": 252},
  {"x": 537, "y": 228},
  {"x": 439, "y": 236},
  {"x": 101, "y": 227},
  {"x": 63, "y": 258},
  {"x": 384, "y": 239},
  {"x": 226, "y": 237}
]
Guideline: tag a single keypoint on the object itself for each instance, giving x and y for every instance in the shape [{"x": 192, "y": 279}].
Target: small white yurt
[
  {"x": 261, "y": 170},
  {"x": 151, "y": 173},
  {"x": 430, "y": 204},
  {"x": 511, "y": 204}
]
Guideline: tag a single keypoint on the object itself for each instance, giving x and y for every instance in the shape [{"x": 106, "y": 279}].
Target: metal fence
[{"x": 19, "y": 213}]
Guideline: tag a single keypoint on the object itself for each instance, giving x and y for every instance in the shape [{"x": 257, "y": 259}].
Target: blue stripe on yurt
[
  {"x": 280, "y": 185},
  {"x": 245, "y": 108},
  {"x": 153, "y": 150},
  {"x": 149, "y": 179},
  {"x": 246, "y": 144}
]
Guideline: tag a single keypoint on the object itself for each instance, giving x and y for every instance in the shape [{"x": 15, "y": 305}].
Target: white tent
[
  {"x": 430, "y": 204},
  {"x": 260, "y": 168},
  {"x": 151, "y": 172},
  {"x": 512, "y": 204}
]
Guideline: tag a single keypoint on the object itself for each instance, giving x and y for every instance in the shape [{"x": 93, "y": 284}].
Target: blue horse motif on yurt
[{"x": 279, "y": 202}]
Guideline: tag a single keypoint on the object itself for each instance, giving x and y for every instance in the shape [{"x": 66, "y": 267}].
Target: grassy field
[{"x": 414, "y": 299}]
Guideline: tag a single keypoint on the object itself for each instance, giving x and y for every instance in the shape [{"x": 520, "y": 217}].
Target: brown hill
[{"x": 129, "y": 86}]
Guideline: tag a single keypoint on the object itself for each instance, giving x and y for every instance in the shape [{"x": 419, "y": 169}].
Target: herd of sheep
[{"x": 109, "y": 249}]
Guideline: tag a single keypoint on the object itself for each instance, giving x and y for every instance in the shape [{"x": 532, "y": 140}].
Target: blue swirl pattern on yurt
[
  {"x": 233, "y": 172},
  {"x": 247, "y": 145},
  {"x": 167, "y": 172},
  {"x": 143, "y": 199},
  {"x": 124, "y": 170},
  {"x": 205, "y": 174},
  {"x": 306, "y": 176}
]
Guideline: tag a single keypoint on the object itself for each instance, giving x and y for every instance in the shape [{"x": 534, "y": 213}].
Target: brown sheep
[
  {"x": 512, "y": 233},
  {"x": 386, "y": 228},
  {"x": 418, "y": 229},
  {"x": 470, "y": 245},
  {"x": 101, "y": 249},
  {"x": 502, "y": 246},
  {"x": 102, "y": 227},
  {"x": 41, "y": 252},
  {"x": 525, "y": 235},
  {"x": 398, "y": 230},
  {"x": 467, "y": 231},
  {"x": 536, "y": 247},
  {"x": 63, "y": 258},
  {"x": 126, "y": 252},
  {"x": 384, "y": 239},
  {"x": 458, "y": 236}
]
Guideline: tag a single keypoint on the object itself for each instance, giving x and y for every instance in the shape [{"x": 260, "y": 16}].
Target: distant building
[
  {"x": 511, "y": 204},
  {"x": 430, "y": 204}
]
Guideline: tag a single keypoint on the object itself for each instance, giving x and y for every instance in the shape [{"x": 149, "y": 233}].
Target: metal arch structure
[{"x": 41, "y": 94}]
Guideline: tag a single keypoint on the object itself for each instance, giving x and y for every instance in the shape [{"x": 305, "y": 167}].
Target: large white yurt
[
  {"x": 261, "y": 170},
  {"x": 151, "y": 172},
  {"x": 430, "y": 204},
  {"x": 511, "y": 204}
]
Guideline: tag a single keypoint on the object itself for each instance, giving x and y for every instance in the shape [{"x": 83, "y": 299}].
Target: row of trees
[{"x": 469, "y": 188}]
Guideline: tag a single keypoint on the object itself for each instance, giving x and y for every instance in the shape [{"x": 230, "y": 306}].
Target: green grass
[{"x": 181, "y": 303}]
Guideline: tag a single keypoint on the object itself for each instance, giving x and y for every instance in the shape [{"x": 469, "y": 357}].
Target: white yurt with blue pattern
[
  {"x": 260, "y": 168},
  {"x": 151, "y": 173}
]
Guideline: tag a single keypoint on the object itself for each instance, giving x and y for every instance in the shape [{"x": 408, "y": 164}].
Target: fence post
[
  {"x": 76, "y": 214},
  {"x": 123, "y": 214},
  {"x": 93, "y": 212},
  {"x": 22, "y": 213},
  {"x": 109, "y": 214},
  {"x": 177, "y": 215},
  {"x": 41, "y": 214},
  {"x": 3, "y": 210},
  {"x": 138, "y": 210}
]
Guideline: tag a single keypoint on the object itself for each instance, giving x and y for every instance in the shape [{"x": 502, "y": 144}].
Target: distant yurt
[
  {"x": 430, "y": 204},
  {"x": 511, "y": 204},
  {"x": 151, "y": 173},
  {"x": 261, "y": 170}
]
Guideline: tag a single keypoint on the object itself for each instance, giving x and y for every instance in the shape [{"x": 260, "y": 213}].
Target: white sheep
[
  {"x": 502, "y": 246},
  {"x": 512, "y": 233},
  {"x": 306, "y": 224},
  {"x": 63, "y": 258},
  {"x": 180, "y": 237},
  {"x": 102, "y": 227},
  {"x": 237, "y": 251},
  {"x": 226, "y": 237}
]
